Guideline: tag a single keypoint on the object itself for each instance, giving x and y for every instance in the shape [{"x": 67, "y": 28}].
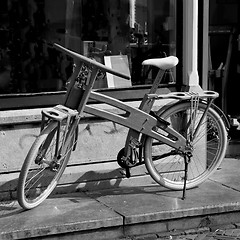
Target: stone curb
[{"x": 230, "y": 232}]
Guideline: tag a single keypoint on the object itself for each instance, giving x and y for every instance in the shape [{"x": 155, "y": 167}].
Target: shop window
[{"x": 137, "y": 29}]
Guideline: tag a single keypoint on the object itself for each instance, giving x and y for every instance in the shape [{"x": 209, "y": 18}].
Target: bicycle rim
[
  {"x": 41, "y": 170},
  {"x": 166, "y": 165}
]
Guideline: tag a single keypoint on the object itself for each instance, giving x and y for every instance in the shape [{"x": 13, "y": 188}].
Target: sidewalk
[{"x": 147, "y": 212}]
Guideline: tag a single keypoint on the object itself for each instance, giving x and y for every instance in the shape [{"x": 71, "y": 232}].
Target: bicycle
[{"x": 181, "y": 144}]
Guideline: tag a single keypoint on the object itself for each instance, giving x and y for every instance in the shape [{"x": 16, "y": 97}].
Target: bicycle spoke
[
  {"x": 206, "y": 145},
  {"x": 28, "y": 182},
  {"x": 44, "y": 166}
]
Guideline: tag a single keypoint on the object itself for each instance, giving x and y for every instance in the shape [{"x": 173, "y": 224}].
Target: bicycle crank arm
[{"x": 126, "y": 170}]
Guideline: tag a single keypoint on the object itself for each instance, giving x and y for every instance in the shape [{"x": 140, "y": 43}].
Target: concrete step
[{"x": 128, "y": 212}]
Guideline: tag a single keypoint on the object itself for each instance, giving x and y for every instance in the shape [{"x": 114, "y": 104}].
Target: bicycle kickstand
[
  {"x": 186, "y": 162},
  {"x": 125, "y": 171}
]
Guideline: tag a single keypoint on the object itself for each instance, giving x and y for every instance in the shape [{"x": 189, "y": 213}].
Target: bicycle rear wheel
[
  {"x": 43, "y": 166},
  {"x": 166, "y": 165}
]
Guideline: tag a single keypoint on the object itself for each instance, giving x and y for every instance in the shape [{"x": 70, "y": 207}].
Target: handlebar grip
[{"x": 89, "y": 61}]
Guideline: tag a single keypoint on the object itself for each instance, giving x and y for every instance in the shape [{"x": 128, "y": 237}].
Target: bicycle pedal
[{"x": 134, "y": 143}]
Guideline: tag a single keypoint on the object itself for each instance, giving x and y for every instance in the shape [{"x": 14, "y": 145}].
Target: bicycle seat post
[{"x": 146, "y": 103}]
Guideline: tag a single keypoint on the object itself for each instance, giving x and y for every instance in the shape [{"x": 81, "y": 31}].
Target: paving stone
[
  {"x": 237, "y": 225},
  {"x": 171, "y": 234},
  {"x": 222, "y": 227},
  {"x": 146, "y": 237},
  {"x": 190, "y": 236},
  {"x": 236, "y": 233},
  {"x": 228, "y": 232},
  {"x": 190, "y": 231},
  {"x": 201, "y": 237}
]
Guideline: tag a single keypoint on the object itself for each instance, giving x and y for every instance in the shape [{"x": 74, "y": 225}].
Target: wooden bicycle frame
[
  {"x": 63, "y": 120},
  {"x": 138, "y": 120},
  {"x": 135, "y": 119}
]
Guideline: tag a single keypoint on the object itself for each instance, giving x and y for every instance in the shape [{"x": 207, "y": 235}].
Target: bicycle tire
[
  {"x": 168, "y": 170},
  {"x": 33, "y": 191}
]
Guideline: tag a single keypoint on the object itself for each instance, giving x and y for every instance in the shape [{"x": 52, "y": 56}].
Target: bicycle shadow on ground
[
  {"x": 9, "y": 208},
  {"x": 113, "y": 183},
  {"x": 108, "y": 183},
  {"x": 8, "y": 203}
]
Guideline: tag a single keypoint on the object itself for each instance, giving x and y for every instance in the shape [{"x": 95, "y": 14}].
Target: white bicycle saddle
[{"x": 162, "y": 63}]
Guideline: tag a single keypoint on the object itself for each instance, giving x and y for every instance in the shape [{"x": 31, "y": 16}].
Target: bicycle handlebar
[{"x": 89, "y": 61}]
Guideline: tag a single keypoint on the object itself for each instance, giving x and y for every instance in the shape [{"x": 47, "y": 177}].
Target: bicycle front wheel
[
  {"x": 166, "y": 165},
  {"x": 43, "y": 166}
]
